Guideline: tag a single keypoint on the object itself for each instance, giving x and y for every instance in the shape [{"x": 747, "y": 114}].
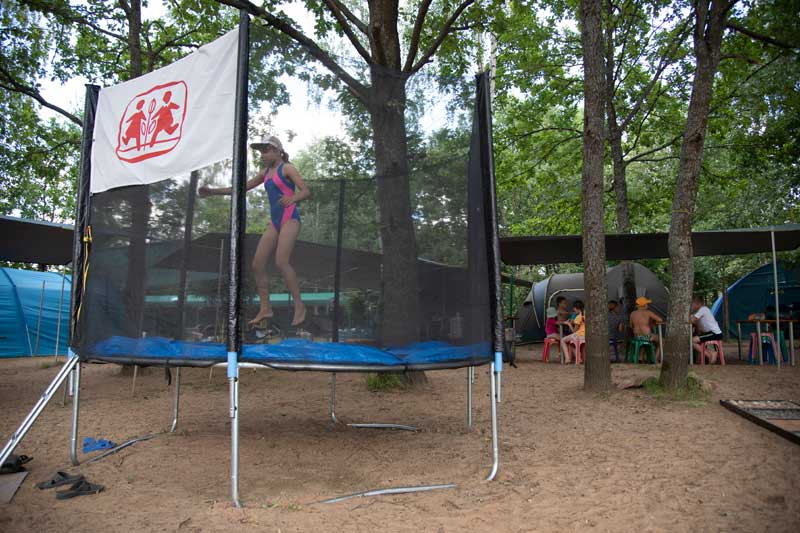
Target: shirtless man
[{"x": 643, "y": 320}]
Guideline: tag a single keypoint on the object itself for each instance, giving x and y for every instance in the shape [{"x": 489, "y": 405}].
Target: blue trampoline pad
[{"x": 294, "y": 353}]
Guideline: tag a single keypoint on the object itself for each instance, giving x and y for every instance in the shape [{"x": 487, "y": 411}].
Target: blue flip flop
[{"x": 91, "y": 445}]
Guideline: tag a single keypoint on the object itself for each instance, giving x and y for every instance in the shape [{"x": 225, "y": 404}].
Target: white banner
[{"x": 172, "y": 121}]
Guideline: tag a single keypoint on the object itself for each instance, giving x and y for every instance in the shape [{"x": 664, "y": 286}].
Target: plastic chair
[
  {"x": 578, "y": 345},
  {"x": 549, "y": 341},
  {"x": 637, "y": 343},
  {"x": 772, "y": 347},
  {"x": 718, "y": 344}
]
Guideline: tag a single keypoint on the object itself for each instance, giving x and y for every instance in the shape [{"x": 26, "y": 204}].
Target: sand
[{"x": 570, "y": 460}]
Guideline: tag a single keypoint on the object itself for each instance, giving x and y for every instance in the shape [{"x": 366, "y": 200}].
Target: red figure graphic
[
  {"x": 164, "y": 119},
  {"x": 136, "y": 126}
]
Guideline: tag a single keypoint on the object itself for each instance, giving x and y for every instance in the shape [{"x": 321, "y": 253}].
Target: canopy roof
[
  {"x": 34, "y": 241},
  {"x": 567, "y": 248}
]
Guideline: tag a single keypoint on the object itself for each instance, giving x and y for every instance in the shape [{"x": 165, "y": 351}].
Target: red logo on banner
[{"x": 152, "y": 123}]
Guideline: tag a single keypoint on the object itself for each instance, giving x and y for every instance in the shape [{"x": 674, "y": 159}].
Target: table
[{"x": 758, "y": 322}]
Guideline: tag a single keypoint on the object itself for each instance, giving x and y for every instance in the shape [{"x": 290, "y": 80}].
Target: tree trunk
[
  {"x": 710, "y": 25},
  {"x": 597, "y": 375}
]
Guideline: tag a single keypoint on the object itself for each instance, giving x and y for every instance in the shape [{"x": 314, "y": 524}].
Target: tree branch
[
  {"x": 358, "y": 23},
  {"x": 358, "y": 89},
  {"x": 70, "y": 16},
  {"x": 413, "y": 46},
  {"x": 10, "y": 84},
  {"x": 440, "y": 38},
  {"x": 641, "y": 156},
  {"x": 760, "y": 37},
  {"x": 334, "y": 8}
]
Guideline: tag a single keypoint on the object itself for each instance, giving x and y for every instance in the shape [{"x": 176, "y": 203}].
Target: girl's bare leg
[
  {"x": 260, "y": 260},
  {"x": 286, "y": 240}
]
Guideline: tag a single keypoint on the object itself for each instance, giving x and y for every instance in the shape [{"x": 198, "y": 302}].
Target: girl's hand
[{"x": 286, "y": 201}]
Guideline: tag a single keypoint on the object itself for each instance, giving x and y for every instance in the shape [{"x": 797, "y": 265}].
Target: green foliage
[
  {"x": 694, "y": 394},
  {"x": 386, "y": 382}
]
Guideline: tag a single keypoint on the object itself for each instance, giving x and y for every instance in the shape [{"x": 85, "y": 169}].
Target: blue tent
[
  {"x": 21, "y": 322},
  {"x": 755, "y": 293}
]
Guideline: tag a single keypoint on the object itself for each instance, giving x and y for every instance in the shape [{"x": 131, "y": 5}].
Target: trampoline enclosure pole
[
  {"x": 777, "y": 299},
  {"x": 76, "y": 383},
  {"x": 237, "y": 229}
]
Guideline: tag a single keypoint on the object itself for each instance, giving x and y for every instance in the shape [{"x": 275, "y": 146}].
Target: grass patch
[
  {"x": 693, "y": 394},
  {"x": 386, "y": 382}
]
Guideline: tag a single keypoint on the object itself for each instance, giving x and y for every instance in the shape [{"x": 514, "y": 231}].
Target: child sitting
[{"x": 577, "y": 326}]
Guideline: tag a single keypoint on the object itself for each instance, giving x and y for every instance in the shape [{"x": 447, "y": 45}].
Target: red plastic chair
[
  {"x": 549, "y": 341},
  {"x": 718, "y": 344},
  {"x": 578, "y": 346}
]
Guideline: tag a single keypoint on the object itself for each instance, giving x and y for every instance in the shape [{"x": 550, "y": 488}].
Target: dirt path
[{"x": 569, "y": 460}]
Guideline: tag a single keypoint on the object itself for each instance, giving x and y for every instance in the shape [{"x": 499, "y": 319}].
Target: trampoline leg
[
  {"x": 234, "y": 414},
  {"x": 495, "y": 452},
  {"x": 49, "y": 392},
  {"x": 470, "y": 377},
  {"x": 133, "y": 380},
  {"x": 333, "y": 398},
  {"x": 177, "y": 400},
  {"x": 499, "y": 387},
  {"x": 76, "y": 393}
]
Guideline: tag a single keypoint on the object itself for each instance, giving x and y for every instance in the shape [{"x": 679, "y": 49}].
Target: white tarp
[{"x": 174, "y": 120}]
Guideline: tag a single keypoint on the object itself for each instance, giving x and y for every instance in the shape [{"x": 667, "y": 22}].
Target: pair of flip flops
[
  {"x": 78, "y": 485},
  {"x": 91, "y": 445}
]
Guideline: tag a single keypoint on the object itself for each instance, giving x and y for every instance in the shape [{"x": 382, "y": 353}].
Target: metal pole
[
  {"x": 333, "y": 398},
  {"x": 133, "y": 380},
  {"x": 778, "y": 356},
  {"x": 46, "y": 396},
  {"x": 739, "y": 338},
  {"x": 60, "y": 304},
  {"x": 39, "y": 320},
  {"x": 495, "y": 450},
  {"x": 234, "y": 414},
  {"x": 338, "y": 264},
  {"x": 76, "y": 393},
  {"x": 177, "y": 400},
  {"x": 758, "y": 342},
  {"x": 470, "y": 373}
]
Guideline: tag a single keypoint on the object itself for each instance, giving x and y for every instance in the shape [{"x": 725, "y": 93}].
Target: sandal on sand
[
  {"x": 79, "y": 488},
  {"x": 59, "y": 479}
]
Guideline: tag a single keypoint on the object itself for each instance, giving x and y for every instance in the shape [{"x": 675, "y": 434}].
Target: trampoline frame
[{"x": 71, "y": 370}]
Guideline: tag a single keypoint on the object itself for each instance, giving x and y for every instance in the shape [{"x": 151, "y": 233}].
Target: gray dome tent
[{"x": 530, "y": 325}]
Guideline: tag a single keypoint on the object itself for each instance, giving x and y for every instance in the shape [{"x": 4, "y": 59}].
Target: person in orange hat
[{"x": 643, "y": 320}]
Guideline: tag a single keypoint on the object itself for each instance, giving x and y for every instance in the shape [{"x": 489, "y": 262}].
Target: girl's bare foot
[
  {"x": 299, "y": 316},
  {"x": 262, "y": 315}
]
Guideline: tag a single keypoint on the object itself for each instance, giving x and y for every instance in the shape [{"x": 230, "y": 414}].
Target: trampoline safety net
[{"x": 390, "y": 259}]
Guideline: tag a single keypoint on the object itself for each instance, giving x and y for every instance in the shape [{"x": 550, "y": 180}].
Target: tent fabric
[
  {"x": 295, "y": 351},
  {"x": 20, "y": 297},
  {"x": 531, "y": 316},
  {"x": 544, "y": 250},
  {"x": 755, "y": 293},
  {"x": 33, "y": 241}
]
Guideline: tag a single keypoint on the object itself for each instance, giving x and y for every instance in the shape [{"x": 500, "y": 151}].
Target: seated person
[
  {"x": 643, "y": 320},
  {"x": 562, "y": 309},
  {"x": 551, "y": 324},
  {"x": 615, "y": 326},
  {"x": 578, "y": 327},
  {"x": 706, "y": 325}
]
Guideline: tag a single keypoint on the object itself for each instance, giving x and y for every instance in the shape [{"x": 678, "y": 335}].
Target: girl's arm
[
  {"x": 205, "y": 190},
  {"x": 301, "y": 190}
]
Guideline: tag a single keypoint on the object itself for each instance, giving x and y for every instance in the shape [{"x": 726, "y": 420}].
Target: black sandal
[
  {"x": 79, "y": 488},
  {"x": 59, "y": 479}
]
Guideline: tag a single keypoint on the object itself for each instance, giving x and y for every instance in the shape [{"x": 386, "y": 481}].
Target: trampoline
[{"x": 396, "y": 263}]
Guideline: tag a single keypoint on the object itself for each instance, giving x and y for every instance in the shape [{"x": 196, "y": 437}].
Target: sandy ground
[{"x": 570, "y": 460}]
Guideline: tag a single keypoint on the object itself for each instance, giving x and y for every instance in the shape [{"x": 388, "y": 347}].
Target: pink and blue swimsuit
[{"x": 277, "y": 186}]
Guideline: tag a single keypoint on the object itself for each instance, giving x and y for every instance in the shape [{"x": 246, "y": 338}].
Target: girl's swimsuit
[{"x": 277, "y": 186}]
